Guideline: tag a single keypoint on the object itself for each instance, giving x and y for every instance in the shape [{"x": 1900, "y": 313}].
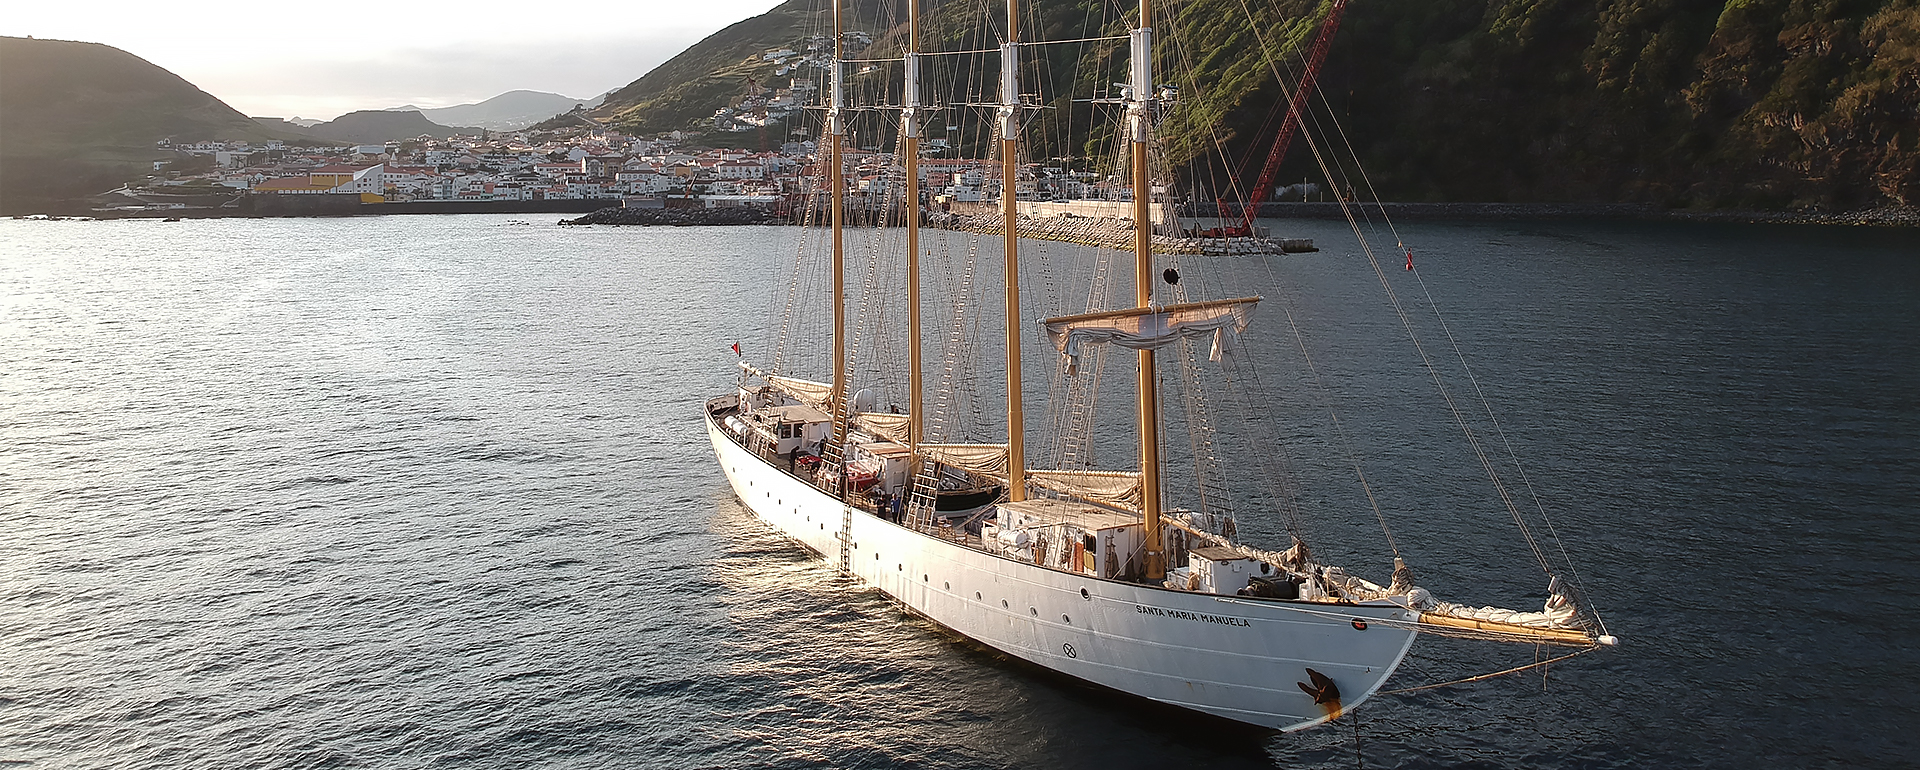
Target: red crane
[{"x": 1318, "y": 54}]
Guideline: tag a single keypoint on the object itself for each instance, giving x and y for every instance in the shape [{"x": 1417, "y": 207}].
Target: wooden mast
[
  {"x": 910, "y": 139},
  {"x": 1009, "y": 115},
  {"x": 836, "y": 191},
  {"x": 1138, "y": 128}
]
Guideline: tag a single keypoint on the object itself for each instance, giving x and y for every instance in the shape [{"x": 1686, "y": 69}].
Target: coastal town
[
  {"x": 670, "y": 169},
  {"x": 595, "y": 162}
]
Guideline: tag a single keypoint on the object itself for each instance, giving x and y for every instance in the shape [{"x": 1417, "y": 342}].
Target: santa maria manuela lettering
[{"x": 1185, "y": 615}]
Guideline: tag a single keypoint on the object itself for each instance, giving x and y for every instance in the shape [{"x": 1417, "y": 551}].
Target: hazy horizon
[{"x": 287, "y": 64}]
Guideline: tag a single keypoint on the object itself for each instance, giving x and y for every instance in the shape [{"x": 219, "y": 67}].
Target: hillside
[
  {"x": 511, "y": 111},
  {"x": 1755, "y": 103},
  {"x": 1762, "y": 103},
  {"x": 378, "y": 126},
  {"x": 708, "y": 75},
  {"x": 79, "y": 118}
]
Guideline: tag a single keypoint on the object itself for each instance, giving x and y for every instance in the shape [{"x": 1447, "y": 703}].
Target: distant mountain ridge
[
  {"x": 511, "y": 111},
  {"x": 78, "y": 118},
  {"x": 377, "y": 126}
]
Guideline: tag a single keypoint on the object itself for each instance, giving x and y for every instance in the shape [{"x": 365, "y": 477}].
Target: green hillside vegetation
[
  {"x": 1766, "y": 103},
  {"x": 80, "y": 118},
  {"x": 1753, "y": 103},
  {"x": 690, "y": 86}
]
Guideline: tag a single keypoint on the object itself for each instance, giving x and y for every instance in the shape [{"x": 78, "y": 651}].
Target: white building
[{"x": 740, "y": 169}]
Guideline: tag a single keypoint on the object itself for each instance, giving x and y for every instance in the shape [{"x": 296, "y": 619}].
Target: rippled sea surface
[{"x": 434, "y": 492}]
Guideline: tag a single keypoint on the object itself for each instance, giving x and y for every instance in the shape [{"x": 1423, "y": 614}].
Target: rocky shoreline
[
  {"x": 1884, "y": 216},
  {"x": 1890, "y": 216}
]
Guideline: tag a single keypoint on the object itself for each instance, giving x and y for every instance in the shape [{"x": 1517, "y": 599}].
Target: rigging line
[
  {"x": 1346, "y": 208},
  {"x": 1075, "y": 40},
  {"x": 1333, "y": 414},
  {"x": 1512, "y": 455},
  {"x": 1426, "y": 360},
  {"x": 986, "y": 16},
  {"x": 1188, "y": 69},
  {"x": 1300, "y": 339},
  {"x": 1514, "y": 670},
  {"x": 969, "y": 52},
  {"x": 1281, "y": 110}
]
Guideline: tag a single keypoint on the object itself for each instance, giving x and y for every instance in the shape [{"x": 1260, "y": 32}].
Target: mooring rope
[{"x": 1514, "y": 670}]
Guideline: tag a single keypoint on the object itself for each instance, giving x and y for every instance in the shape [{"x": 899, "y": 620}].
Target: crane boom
[{"x": 1315, "y": 56}]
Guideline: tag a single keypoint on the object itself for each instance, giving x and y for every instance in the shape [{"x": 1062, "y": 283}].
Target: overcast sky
[{"x": 319, "y": 60}]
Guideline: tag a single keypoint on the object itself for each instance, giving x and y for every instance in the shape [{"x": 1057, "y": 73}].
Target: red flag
[
  {"x": 736, "y": 348},
  {"x": 1409, "y": 264}
]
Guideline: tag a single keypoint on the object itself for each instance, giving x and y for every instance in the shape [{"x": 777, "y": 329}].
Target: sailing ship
[{"x": 1082, "y": 571}]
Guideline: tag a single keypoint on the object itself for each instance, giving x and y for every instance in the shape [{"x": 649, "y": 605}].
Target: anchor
[{"x": 1323, "y": 689}]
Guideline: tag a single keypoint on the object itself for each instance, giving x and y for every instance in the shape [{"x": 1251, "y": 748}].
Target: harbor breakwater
[
  {"x": 676, "y": 217},
  {"x": 1103, "y": 232},
  {"x": 1113, "y": 233}
]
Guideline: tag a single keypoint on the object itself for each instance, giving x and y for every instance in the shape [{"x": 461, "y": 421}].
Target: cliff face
[
  {"x": 79, "y": 118},
  {"x": 1760, "y": 103}
]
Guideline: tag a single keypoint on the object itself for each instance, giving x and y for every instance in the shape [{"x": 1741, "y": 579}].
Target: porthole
[
  {"x": 946, "y": 586},
  {"x": 976, "y": 596},
  {"x": 876, "y": 555},
  {"x": 1034, "y": 611},
  {"x": 1003, "y": 604},
  {"x": 1085, "y": 595},
  {"x": 1065, "y": 619},
  {"x": 899, "y": 568},
  {"x": 924, "y": 579}
]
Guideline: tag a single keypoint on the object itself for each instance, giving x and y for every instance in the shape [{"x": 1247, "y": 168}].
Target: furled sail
[
  {"x": 892, "y": 427},
  {"x": 818, "y": 395},
  {"x": 1118, "y": 488},
  {"x": 1151, "y": 328},
  {"x": 1560, "y": 611},
  {"x": 987, "y": 459}
]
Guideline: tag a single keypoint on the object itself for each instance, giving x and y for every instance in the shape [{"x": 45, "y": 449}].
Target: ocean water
[{"x": 433, "y": 491}]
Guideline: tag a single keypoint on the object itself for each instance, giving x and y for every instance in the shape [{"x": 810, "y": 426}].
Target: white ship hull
[{"x": 1232, "y": 657}]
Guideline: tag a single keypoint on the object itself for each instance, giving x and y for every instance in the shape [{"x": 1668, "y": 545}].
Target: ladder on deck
[
  {"x": 1076, "y": 447},
  {"x": 921, "y": 511}
]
